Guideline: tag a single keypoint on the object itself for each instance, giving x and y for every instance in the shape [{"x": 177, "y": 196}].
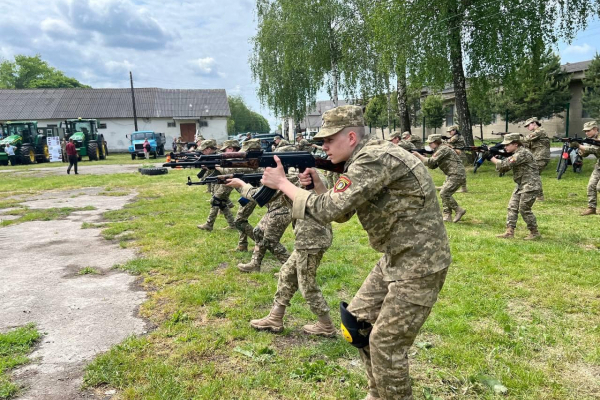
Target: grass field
[
  {"x": 516, "y": 319},
  {"x": 14, "y": 347}
]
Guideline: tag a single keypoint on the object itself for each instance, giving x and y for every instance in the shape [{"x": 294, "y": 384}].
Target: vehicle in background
[
  {"x": 29, "y": 142},
  {"x": 266, "y": 140},
  {"x": 157, "y": 142},
  {"x": 88, "y": 142}
]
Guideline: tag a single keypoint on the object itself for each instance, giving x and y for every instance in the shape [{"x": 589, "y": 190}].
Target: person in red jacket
[{"x": 72, "y": 155}]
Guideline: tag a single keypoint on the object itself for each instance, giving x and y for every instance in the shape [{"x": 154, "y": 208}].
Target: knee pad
[
  {"x": 353, "y": 330},
  {"x": 258, "y": 234},
  {"x": 239, "y": 224}
]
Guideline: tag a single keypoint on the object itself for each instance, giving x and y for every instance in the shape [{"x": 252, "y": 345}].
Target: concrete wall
[{"x": 117, "y": 128}]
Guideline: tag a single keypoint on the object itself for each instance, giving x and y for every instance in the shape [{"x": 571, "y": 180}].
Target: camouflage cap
[
  {"x": 252, "y": 144},
  {"x": 530, "y": 120},
  {"x": 588, "y": 126},
  {"x": 230, "y": 143},
  {"x": 338, "y": 118},
  {"x": 433, "y": 138},
  {"x": 397, "y": 133},
  {"x": 452, "y": 128},
  {"x": 277, "y": 137},
  {"x": 207, "y": 144},
  {"x": 511, "y": 137}
]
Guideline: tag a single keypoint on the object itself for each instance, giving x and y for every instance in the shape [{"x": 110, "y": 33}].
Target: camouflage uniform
[
  {"x": 529, "y": 184},
  {"x": 458, "y": 141},
  {"x": 405, "y": 144},
  {"x": 395, "y": 200},
  {"x": 594, "y": 183},
  {"x": 449, "y": 162},
  {"x": 241, "y": 219},
  {"x": 180, "y": 145},
  {"x": 415, "y": 140},
  {"x": 538, "y": 144}
]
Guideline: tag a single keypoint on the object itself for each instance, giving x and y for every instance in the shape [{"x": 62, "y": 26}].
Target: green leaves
[
  {"x": 433, "y": 111},
  {"x": 33, "y": 72},
  {"x": 591, "y": 93}
]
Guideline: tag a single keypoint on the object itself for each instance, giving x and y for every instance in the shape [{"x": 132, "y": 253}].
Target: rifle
[
  {"x": 486, "y": 153},
  {"x": 253, "y": 179},
  {"x": 255, "y": 159},
  {"x": 423, "y": 151},
  {"x": 500, "y": 133},
  {"x": 576, "y": 139}
]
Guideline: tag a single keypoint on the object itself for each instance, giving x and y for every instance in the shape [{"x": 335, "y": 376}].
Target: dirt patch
[{"x": 79, "y": 315}]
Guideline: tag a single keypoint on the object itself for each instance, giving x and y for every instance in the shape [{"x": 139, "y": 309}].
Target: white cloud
[
  {"x": 57, "y": 27},
  {"x": 578, "y": 49},
  {"x": 119, "y": 66},
  {"x": 204, "y": 66}
]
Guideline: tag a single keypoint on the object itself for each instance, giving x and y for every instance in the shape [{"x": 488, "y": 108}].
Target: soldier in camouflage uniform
[
  {"x": 208, "y": 147},
  {"x": 457, "y": 141},
  {"x": 538, "y": 144},
  {"x": 591, "y": 131},
  {"x": 396, "y": 138},
  {"x": 529, "y": 185},
  {"x": 244, "y": 212},
  {"x": 414, "y": 139},
  {"x": 220, "y": 200},
  {"x": 395, "y": 200},
  {"x": 270, "y": 228},
  {"x": 449, "y": 162},
  {"x": 180, "y": 145}
]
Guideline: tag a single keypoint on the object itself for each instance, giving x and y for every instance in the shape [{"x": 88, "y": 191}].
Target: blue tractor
[{"x": 157, "y": 142}]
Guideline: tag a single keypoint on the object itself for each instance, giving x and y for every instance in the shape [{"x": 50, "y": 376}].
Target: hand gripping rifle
[
  {"x": 255, "y": 159},
  {"x": 253, "y": 179},
  {"x": 486, "y": 153},
  {"x": 423, "y": 151}
]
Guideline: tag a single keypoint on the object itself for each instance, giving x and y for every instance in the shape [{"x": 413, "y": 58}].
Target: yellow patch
[
  {"x": 346, "y": 334},
  {"x": 342, "y": 184}
]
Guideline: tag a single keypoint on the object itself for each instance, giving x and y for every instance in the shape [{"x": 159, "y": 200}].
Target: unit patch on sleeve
[{"x": 342, "y": 184}]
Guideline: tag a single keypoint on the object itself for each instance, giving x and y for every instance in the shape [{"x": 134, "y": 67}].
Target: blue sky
[{"x": 168, "y": 44}]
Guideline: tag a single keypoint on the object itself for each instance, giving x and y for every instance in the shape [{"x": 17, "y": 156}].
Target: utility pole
[{"x": 133, "y": 101}]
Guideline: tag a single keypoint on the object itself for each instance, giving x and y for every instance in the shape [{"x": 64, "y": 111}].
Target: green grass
[
  {"x": 87, "y": 271},
  {"x": 14, "y": 347},
  {"x": 113, "y": 158},
  {"x": 514, "y": 314}
]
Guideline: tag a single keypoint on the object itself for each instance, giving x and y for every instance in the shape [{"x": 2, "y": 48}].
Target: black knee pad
[{"x": 355, "y": 332}]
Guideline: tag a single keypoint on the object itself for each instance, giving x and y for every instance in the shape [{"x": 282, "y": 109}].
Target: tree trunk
[
  {"x": 403, "y": 114},
  {"x": 458, "y": 76},
  {"x": 389, "y": 106}
]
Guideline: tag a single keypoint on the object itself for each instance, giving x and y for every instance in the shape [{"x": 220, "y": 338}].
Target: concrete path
[{"x": 79, "y": 315}]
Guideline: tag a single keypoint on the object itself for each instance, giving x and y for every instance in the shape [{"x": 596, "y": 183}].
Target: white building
[{"x": 175, "y": 112}]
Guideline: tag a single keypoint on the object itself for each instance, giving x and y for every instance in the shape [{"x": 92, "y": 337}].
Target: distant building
[{"x": 175, "y": 112}]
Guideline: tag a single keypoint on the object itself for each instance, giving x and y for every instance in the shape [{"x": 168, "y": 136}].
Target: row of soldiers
[{"x": 391, "y": 192}]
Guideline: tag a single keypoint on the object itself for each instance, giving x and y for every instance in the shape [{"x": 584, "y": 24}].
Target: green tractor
[
  {"x": 29, "y": 142},
  {"x": 84, "y": 133}
]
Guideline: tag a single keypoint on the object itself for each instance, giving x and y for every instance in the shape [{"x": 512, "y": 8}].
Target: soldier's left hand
[
  {"x": 235, "y": 183},
  {"x": 274, "y": 177},
  {"x": 574, "y": 144}
]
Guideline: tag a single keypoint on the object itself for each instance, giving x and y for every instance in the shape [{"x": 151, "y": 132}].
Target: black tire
[
  {"x": 133, "y": 156},
  {"x": 561, "y": 168},
  {"x": 44, "y": 155},
  {"x": 153, "y": 171},
  {"x": 4, "y": 162},
  {"x": 102, "y": 151},
  {"x": 105, "y": 150},
  {"x": 93, "y": 151},
  {"x": 161, "y": 151},
  {"x": 25, "y": 154}
]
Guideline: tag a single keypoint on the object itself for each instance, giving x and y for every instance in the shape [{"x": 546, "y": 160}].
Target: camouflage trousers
[
  {"x": 594, "y": 187},
  {"x": 214, "y": 211},
  {"x": 450, "y": 186},
  {"x": 397, "y": 310},
  {"x": 300, "y": 272},
  {"x": 542, "y": 164},
  {"x": 522, "y": 203},
  {"x": 242, "y": 224},
  {"x": 270, "y": 229}
]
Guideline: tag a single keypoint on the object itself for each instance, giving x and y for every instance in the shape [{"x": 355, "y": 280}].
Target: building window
[
  {"x": 450, "y": 115},
  {"x": 172, "y": 124},
  {"x": 202, "y": 124},
  {"x": 101, "y": 126}
]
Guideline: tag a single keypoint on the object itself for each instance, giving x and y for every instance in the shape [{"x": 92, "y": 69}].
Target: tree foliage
[
  {"x": 243, "y": 119},
  {"x": 591, "y": 84},
  {"x": 539, "y": 88},
  {"x": 482, "y": 97},
  {"x": 33, "y": 72},
  {"x": 433, "y": 111}
]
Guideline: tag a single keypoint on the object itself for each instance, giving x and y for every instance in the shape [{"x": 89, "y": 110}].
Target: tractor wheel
[
  {"x": 45, "y": 154},
  {"x": 161, "y": 152},
  {"x": 153, "y": 171},
  {"x": 102, "y": 152},
  {"x": 27, "y": 154},
  {"x": 4, "y": 162},
  {"x": 93, "y": 151},
  {"x": 133, "y": 156}
]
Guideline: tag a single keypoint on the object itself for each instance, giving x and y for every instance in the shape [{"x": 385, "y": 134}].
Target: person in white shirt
[{"x": 10, "y": 152}]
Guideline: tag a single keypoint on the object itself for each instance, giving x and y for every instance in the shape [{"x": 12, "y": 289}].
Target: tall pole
[
  {"x": 506, "y": 119},
  {"x": 567, "y": 122},
  {"x": 133, "y": 101}
]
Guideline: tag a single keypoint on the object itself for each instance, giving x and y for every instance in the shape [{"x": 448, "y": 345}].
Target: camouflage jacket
[
  {"x": 586, "y": 150},
  {"x": 407, "y": 145},
  {"x": 457, "y": 141},
  {"x": 416, "y": 141},
  {"x": 279, "y": 203},
  {"x": 525, "y": 170},
  {"x": 395, "y": 200},
  {"x": 447, "y": 160},
  {"x": 539, "y": 144}
]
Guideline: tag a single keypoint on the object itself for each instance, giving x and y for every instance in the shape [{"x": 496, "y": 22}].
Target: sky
[{"x": 165, "y": 43}]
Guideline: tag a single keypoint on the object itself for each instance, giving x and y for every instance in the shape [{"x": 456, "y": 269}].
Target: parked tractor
[
  {"x": 29, "y": 142},
  {"x": 157, "y": 142},
  {"x": 88, "y": 142}
]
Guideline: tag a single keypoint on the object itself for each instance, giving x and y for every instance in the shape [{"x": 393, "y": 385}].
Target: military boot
[
  {"x": 459, "y": 214},
  {"x": 210, "y": 221},
  {"x": 588, "y": 211},
  {"x": 463, "y": 189},
  {"x": 272, "y": 322},
  {"x": 533, "y": 234},
  {"x": 509, "y": 234},
  {"x": 205, "y": 227},
  {"x": 323, "y": 327},
  {"x": 448, "y": 217},
  {"x": 254, "y": 264}
]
